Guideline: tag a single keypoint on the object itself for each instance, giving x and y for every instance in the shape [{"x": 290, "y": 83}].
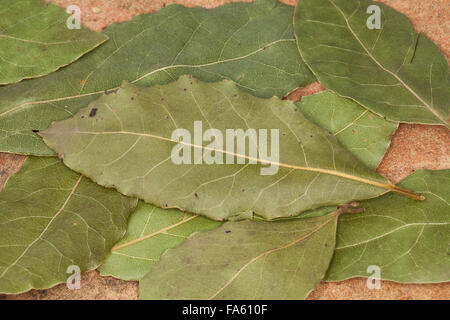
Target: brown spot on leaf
[{"x": 93, "y": 112}]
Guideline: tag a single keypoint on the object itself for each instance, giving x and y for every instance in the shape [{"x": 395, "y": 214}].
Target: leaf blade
[
  {"x": 28, "y": 52},
  {"x": 116, "y": 151},
  {"x": 50, "y": 221},
  {"x": 163, "y": 45},
  {"x": 242, "y": 260},
  {"x": 407, "y": 240},
  {"x": 363, "y": 133},
  {"x": 374, "y": 67},
  {"x": 151, "y": 231}
]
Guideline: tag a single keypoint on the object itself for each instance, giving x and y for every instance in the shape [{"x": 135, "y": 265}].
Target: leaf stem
[{"x": 407, "y": 193}]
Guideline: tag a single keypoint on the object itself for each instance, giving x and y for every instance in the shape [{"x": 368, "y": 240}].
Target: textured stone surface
[{"x": 413, "y": 147}]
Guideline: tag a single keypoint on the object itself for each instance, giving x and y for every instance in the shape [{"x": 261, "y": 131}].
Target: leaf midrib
[
  {"x": 434, "y": 112},
  {"x": 43, "y": 43},
  {"x": 140, "y": 239},
  {"x": 387, "y": 186},
  {"x": 424, "y": 224}
]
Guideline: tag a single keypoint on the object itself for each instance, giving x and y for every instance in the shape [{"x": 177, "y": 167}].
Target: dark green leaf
[
  {"x": 250, "y": 43},
  {"x": 408, "y": 240},
  {"x": 52, "y": 218},
  {"x": 393, "y": 71},
  {"x": 35, "y": 40}
]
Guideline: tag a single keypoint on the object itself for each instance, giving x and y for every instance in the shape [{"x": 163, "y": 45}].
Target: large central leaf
[
  {"x": 125, "y": 140},
  {"x": 35, "y": 40},
  {"x": 392, "y": 71},
  {"x": 52, "y": 218},
  {"x": 250, "y": 43}
]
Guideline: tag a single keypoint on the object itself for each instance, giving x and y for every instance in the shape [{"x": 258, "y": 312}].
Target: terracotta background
[{"x": 413, "y": 147}]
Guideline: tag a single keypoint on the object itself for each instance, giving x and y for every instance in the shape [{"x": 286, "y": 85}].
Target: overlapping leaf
[
  {"x": 151, "y": 231},
  {"x": 222, "y": 43},
  {"x": 362, "y": 132},
  {"x": 35, "y": 40},
  {"x": 392, "y": 71},
  {"x": 246, "y": 260},
  {"x": 107, "y": 143},
  {"x": 52, "y": 218},
  {"x": 408, "y": 240}
]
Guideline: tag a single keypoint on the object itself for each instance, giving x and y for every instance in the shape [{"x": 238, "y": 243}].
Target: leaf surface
[
  {"x": 393, "y": 71},
  {"x": 250, "y": 43},
  {"x": 52, "y": 218},
  {"x": 35, "y": 40},
  {"x": 362, "y": 132},
  {"x": 125, "y": 140},
  {"x": 151, "y": 231},
  {"x": 246, "y": 260},
  {"x": 408, "y": 240}
]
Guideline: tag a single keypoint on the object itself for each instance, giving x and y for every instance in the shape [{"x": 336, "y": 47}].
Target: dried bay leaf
[
  {"x": 151, "y": 231},
  {"x": 107, "y": 143},
  {"x": 246, "y": 260},
  {"x": 362, "y": 132},
  {"x": 408, "y": 240},
  {"x": 392, "y": 71},
  {"x": 35, "y": 40},
  {"x": 252, "y": 44},
  {"x": 52, "y": 218}
]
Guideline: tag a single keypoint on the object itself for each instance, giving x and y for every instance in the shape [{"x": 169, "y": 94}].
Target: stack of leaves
[{"x": 214, "y": 229}]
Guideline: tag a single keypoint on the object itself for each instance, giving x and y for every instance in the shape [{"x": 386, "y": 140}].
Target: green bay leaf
[
  {"x": 151, "y": 231},
  {"x": 125, "y": 141},
  {"x": 408, "y": 240},
  {"x": 35, "y": 40},
  {"x": 252, "y": 44},
  {"x": 393, "y": 71},
  {"x": 246, "y": 260},
  {"x": 52, "y": 218},
  {"x": 362, "y": 132}
]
